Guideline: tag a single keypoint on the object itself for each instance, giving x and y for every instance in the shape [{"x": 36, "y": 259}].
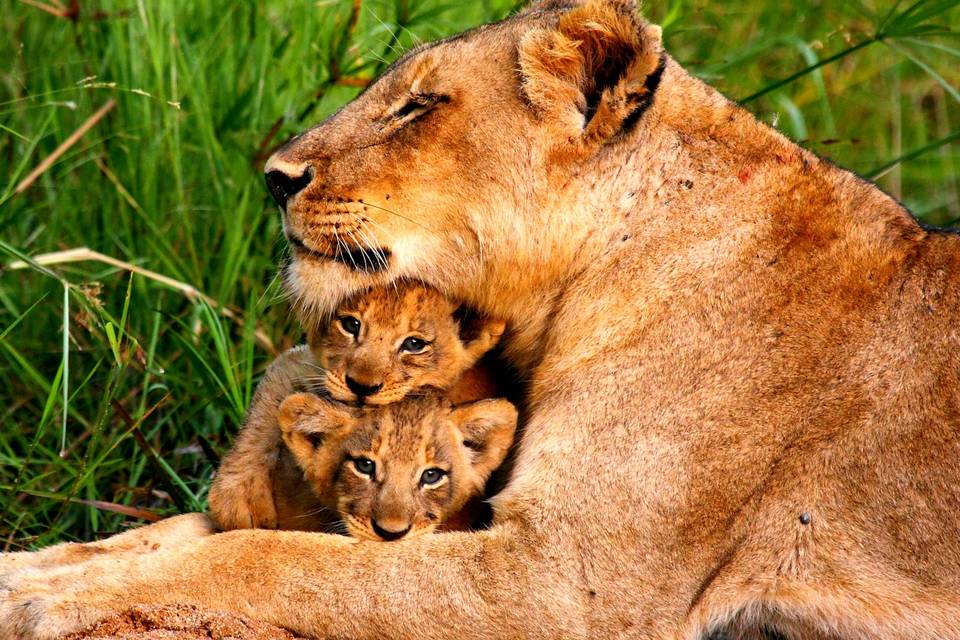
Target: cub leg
[{"x": 242, "y": 494}]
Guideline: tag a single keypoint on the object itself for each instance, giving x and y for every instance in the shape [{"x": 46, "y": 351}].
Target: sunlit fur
[
  {"x": 475, "y": 221},
  {"x": 403, "y": 440},
  {"x": 388, "y": 315},
  {"x": 744, "y": 367},
  {"x": 256, "y": 485}
]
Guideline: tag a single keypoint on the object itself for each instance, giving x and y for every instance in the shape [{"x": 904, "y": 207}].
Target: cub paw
[{"x": 246, "y": 504}]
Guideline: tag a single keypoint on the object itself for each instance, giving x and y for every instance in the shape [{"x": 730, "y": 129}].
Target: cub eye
[
  {"x": 432, "y": 476},
  {"x": 365, "y": 466},
  {"x": 413, "y": 345},
  {"x": 351, "y": 325}
]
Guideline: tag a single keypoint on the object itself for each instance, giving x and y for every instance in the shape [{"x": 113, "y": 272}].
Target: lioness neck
[{"x": 698, "y": 192}]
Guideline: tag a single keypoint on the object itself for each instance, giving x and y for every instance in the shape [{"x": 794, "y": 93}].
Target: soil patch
[{"x": 180, "y": 622}]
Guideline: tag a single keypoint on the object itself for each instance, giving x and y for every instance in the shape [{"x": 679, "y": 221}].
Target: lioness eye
[
  {"x": 364, "y": 466},
  {"x": 413, "y": 345},
  {"x": 351, "y": 325},
  {"x": 432, "y": 476},
  {"x": 416, "y": 102},
  {"x": 408, "y": 108}
]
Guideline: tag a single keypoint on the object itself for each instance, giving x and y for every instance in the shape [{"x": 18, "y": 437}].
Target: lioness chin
[{"x": 743, "y": 363}]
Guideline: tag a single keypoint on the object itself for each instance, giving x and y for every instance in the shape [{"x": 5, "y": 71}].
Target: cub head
[
  {"x": 459, "y": 164},
  {"x": 400, "y": 470},
  {"x": 388, "y": 341}
]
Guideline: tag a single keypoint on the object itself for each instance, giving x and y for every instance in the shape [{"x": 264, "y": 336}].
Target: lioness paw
[{"x": 34, "y": 607}]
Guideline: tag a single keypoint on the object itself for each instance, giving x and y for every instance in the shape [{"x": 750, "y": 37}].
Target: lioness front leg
[
  {"x": 498, "y": 583},
  {"x": 178, "y": 530}
]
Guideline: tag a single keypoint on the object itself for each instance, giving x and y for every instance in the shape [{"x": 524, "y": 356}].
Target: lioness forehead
[{"x": 426, "y": 56}]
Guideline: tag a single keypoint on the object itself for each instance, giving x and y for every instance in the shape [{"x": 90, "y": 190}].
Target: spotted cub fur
[{"x": 378, "y": 347}]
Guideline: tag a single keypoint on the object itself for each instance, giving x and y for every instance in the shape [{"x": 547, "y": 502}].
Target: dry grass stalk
[
  {"x": 84, "y": 254},
  {"x": 69, "y": 142}
]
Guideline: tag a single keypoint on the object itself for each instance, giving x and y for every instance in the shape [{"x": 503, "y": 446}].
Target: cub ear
[
  {"x": 307, "y": 422},
  {"x": 486, "y": 428},
  {"x": 595, "y": 71},
  {"x": 478, "y": 333}
]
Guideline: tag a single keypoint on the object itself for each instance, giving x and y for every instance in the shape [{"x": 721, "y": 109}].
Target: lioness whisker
[
  {"x": 402, "y": 217},
  {"x": 370, "y": 241},
  {"x": 346, "y": 249},
  {"x": 367, "y": 260},
  {"x": 372, "y": 245}
]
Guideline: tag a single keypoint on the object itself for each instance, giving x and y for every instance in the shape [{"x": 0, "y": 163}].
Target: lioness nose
[
  {"x": 362, "y": 390},
  {"x": 285, "y": 180},
  {"x": 388, "y": 535}
]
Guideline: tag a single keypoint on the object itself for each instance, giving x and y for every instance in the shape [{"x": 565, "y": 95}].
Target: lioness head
[
  {"x": 399, "y": 470},
  {"x": 387, "y": 341},
  {"x": 453, "y": 166}
]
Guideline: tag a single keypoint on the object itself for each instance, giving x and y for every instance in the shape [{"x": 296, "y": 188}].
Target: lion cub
[
  {"x": 378, "y": 347},
  {"x": 399, "y": 470}
]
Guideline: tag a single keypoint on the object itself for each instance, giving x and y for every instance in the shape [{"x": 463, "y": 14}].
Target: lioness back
[
  {"x": 379, "y": 346},
  {"x": 399, "y": 470}
]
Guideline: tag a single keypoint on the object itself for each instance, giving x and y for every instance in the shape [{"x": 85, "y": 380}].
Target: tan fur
[
  {"x": 387, "y": 316},
  {"x": 744, "y": 400},
  {"x": 402, "y": 442},
  {"x": 257, "y": 484}
]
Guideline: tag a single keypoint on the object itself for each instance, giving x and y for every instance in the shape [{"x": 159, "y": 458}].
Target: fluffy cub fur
[
  {"x": 400, "y": 470},
  {"x": 378, "y": 347}
]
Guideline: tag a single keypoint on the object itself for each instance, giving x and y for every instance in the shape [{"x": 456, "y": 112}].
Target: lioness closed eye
[
  {"x": 401, "y": 470},
  {"x": 378, "y": 346}
]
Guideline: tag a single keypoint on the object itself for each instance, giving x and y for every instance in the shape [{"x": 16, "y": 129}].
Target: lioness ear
[
  {"x": 594, "y": 71},
  {"x": 486, "y": 429},
  {"x": 307, "y": 422}
]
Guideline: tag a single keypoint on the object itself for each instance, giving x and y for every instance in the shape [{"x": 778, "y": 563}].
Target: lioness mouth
[{"x": 359, "y": 259}]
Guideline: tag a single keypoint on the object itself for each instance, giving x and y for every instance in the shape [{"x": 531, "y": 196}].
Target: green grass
[{"x": 169, "y": 180}]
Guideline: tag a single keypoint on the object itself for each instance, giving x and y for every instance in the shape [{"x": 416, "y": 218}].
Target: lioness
[
  {"x": 401, "y": 470},
  {"x": 744, "y": 363},
  {"x": 378, "y": 346}
]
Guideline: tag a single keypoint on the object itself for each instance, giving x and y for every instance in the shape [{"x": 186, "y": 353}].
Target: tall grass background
[{"x": 125, "y": 370}]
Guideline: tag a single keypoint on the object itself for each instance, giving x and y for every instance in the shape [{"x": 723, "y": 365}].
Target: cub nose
[
  {"x": 388, "y": 535},
  {"x": 362, "y": 390},
  {"x": 285, "y": 181}
]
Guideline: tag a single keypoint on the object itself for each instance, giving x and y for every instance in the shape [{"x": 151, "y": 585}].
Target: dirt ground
[{"x": 180, "y": 622}]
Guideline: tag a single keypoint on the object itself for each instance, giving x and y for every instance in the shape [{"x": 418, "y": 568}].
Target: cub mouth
[{"x": 361, "y": 259}]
